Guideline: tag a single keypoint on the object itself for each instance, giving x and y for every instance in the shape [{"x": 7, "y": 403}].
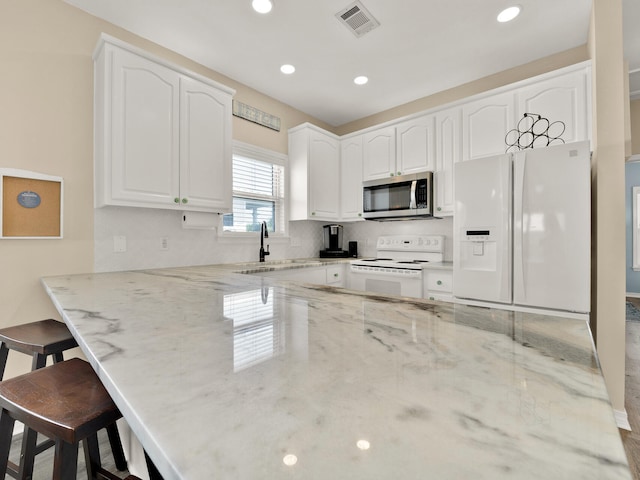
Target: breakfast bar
[{"x": 225, "y": 375}]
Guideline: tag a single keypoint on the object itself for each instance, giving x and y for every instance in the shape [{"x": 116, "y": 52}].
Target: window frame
[{"x": 269, "y": 156}]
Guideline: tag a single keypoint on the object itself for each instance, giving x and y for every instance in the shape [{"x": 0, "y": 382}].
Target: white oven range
[{"x": 397, "y": 269}]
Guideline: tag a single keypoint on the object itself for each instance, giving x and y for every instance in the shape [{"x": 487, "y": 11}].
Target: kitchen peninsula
[{"x": 224, "y": 375}]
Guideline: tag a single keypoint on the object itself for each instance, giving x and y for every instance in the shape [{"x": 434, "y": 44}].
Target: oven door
[{"x": 389, "y": 281}]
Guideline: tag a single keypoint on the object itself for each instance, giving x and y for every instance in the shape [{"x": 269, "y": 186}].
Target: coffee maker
[{"x": 332, "y": 237}]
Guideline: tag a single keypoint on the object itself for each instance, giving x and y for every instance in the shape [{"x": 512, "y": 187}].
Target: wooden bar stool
[
  {"x": 67, "y": 403},
  {"x": 41, "y": 339}
]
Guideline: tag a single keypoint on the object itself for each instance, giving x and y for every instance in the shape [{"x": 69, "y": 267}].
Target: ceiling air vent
[{"x": 357, "y": 19}]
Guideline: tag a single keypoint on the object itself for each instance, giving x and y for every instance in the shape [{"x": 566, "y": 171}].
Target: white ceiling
[{"x": 422, "y": 46}]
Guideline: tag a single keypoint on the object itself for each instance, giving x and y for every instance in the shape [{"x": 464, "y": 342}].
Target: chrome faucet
[{"x": 264, "y": 233}]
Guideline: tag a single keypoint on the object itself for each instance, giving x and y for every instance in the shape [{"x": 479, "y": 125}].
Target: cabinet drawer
[
  {"x": 335, "y": 275},
  {"x": 442, "y": 297},
  {"x": 439, "y": 281}
]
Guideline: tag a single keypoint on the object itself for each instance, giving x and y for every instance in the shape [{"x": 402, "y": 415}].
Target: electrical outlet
[
  {"x": 164, "y": 243},
  {"x": 119, "y": 244}
]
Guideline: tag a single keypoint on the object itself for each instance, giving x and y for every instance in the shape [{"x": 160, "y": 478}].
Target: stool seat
[
  {"x": 45, "y": 337},
  {"x": 65, "y": 400}
]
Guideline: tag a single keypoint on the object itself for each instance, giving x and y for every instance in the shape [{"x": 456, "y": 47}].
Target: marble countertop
[{"x": 229, "y": 376}]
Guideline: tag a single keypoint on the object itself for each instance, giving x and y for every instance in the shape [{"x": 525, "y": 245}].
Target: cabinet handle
[
  {"x": 359, "y": 214},
  {"x": 431, "y": 298},
  {"x": 439, "y": 282},
  {"x": 335, "y": 275},
  {"x": 184, "y": 200},
  {"x": 391, "y": 174},
  {"x": 313, "y": 213},
  {"x": 176, "y": 200},
  {"x": 439, "y": 208},
  {"x": 399, "y": 173}
]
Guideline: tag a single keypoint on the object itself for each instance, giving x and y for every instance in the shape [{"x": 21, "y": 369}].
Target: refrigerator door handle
[{"x": 519, "y": 165}]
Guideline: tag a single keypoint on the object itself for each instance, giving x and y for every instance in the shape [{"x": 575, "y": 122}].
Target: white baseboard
[
  {"x": 632, "y": 294},
  {"x": 622, "y": 420}
]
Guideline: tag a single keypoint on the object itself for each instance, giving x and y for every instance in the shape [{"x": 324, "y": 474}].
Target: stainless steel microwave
[{"x": 398, "y": 198}]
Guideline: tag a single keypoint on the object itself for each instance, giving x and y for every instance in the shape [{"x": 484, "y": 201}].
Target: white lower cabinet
[
  {"x": 162, "y": 135},
  {"x": 336, "y": 275},
  {"x": 438, "y": 284}
]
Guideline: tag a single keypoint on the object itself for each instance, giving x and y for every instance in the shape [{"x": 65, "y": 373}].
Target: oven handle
[{"x": 413, "y": 203}]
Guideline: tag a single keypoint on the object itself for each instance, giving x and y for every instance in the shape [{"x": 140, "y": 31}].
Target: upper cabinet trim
[{"x": 108, "y": 39}]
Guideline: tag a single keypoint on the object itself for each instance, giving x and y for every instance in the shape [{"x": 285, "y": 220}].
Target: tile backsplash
[{"x": 155, "y": 239}]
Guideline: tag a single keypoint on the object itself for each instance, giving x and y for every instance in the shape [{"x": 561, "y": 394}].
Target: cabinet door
[
  {"x": 448, "y": 153},
  {"x": 324, "y": 180},
  {"x": 145, "y": 129},
  {"x": 351, "y": 178},
  {"x": 485, "y": 124},
  {"x": 205, "y": 147},
  {"x": 561, "y": 99},
  {"x": 415, "y": 145},
  {"x": 379, "y": 149}
]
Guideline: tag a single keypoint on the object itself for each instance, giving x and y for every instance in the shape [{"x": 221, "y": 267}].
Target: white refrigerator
[{"x": 522, "y": 228}]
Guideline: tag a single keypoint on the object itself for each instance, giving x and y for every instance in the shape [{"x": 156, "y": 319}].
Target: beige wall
[
  {"x": 46, "y": 122},
  {"x": 608, "y": 239}
]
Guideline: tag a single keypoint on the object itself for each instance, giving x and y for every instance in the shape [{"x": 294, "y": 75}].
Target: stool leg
[
  {"x": 28, "y": 455},
  {"x": 6, "y": 431},
  {"x": 91, "y": 455},
  {"x": 39, "y": 361},
  {"x": 116, "y": 447},
  {"x": 65, "y": 461},
  {"x": 58, "y": 357},
  {"x": 4, "y": 352}
]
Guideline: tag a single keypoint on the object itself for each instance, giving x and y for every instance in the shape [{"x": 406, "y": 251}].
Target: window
[{"x": 258, "y": 191}]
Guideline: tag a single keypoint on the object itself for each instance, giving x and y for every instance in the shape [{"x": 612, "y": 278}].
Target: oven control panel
[{"x": 413, "y": 243}]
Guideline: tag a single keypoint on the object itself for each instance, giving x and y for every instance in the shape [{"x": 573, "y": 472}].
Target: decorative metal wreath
[{"x": 534, "y": 131}]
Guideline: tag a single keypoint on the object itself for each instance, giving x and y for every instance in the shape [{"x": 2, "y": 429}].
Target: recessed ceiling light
[
  {"x": 287, "y": 69},
  {"x": 509, "y": 14},
  {"x": 361, "y": 80},
  {"x": 262, "y": 6}
]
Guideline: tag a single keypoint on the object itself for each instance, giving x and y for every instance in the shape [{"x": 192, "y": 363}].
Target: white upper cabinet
[
  {"x": 379, "y": 153},
  {"x": 447, "y": 154},
  {"x": 351, "y": 178},
  {"x": 141, "y": 159},
  {"x": 415, "y": 145},
  {"x": 407, "y": 147},
  {"x": 314, "y": 165},
  {"x": 205, "y": 143},
  {"x": 563, "y": 103},
  {"x": 485, "y": 124},
  {"x": 162, "y": 137}
]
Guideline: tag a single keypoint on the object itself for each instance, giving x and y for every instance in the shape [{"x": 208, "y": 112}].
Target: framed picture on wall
[{"x": 30, "y": 205}]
